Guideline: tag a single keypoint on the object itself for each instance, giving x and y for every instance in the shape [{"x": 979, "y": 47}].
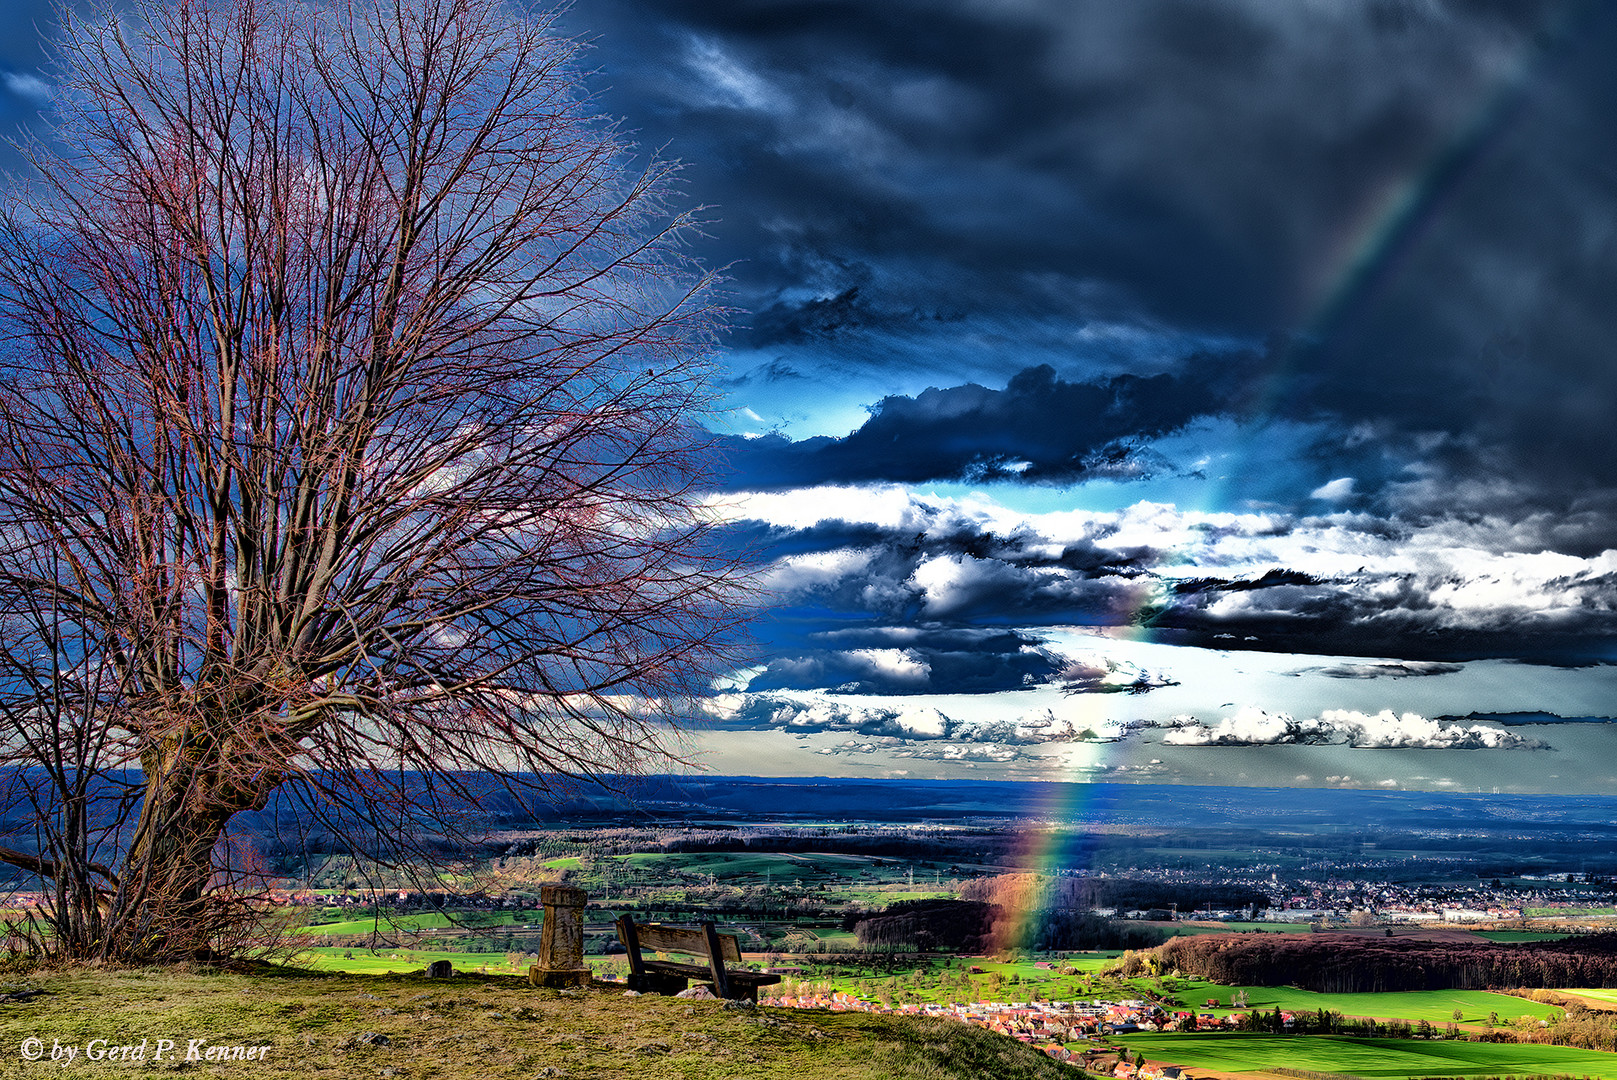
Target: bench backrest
[{"x": 655, "y": 937}]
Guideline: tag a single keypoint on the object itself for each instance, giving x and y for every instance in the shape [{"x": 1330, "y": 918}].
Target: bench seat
[
  {"x": 701, "y": 971},
  {"x": 672, "y": 976}
]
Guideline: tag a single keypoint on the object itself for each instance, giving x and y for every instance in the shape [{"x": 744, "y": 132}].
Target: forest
[
  {"x": 1349, "y": 963},
  {"x": 1039, "y": 912}
]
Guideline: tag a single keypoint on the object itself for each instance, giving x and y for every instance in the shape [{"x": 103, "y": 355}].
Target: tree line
[
  {"x": 975, "y": 926},
  {"x": 1030, "y": 892},
  {"x": 1340, "y": 963}
]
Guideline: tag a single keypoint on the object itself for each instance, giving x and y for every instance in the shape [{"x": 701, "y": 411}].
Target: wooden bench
[{"x": 672, "y": 976}]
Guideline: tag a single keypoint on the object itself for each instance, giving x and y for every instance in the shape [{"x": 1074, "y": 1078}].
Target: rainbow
[
  {"x": 1380, "y": 240},
  {"x": 1354, "y": 274}
]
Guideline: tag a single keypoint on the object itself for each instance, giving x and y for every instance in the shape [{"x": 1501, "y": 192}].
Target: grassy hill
[
  {"x": 331, "y": 1026},
  {"x": 1383, "y": 1059}
]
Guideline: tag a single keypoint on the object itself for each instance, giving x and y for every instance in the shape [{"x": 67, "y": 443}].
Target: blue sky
[{"x": 1164, "y": 390}]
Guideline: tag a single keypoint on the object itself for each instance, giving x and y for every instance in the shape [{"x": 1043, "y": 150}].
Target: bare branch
[{"x": 349, "y": 388}]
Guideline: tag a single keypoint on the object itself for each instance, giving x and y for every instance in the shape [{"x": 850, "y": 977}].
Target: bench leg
[{"x": 715, "y": 961}]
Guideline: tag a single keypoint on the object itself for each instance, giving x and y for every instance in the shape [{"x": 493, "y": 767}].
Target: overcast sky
[{"x": 1196, "y": 391}]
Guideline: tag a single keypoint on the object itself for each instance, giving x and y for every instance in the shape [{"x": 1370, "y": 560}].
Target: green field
[
  {"x": 1434, "y": 1006},
  {"x": 1088, "y": 965},
  {"x": 1091, "y": 963},
  {"x": 1394, "y": 1059},
  {"x": 1568, "y": 912},
  {"x": 435, "y": 920},
  {"x": 1605, "y": 994},
  {"x": 566, "y": 862},
  {"x": 403, "y": 961},
  {"x": 1513, "y": 936},
  {"x": 779, "y": 867},
  {"x": 1180, "y": 929},
  {"x": 860, "y": 880},
  {"x": 952, "y": 981}
]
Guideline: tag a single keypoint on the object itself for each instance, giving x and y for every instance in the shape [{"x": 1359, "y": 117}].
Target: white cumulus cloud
[{"x": 1384, "y": 730}]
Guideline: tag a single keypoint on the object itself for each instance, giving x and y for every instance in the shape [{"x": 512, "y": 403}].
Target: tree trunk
[{"x": 164, "y": 907}]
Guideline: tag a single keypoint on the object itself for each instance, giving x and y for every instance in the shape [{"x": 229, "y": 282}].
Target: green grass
[
  {"x": 1434, "y": 1006},
  {"x": 1091, "y": 963},
  {"x": 493, "y": 1029},
  {"x": 1394, "y": 1059},
  {"x": 780, "y": 867},
  {"x": 566, "y": 862},
  {"x": 1181, "y": 929},
  {"x": 1568, "y": 912},
  {"x": 435, "y": 920},
  {"x": 1512, "y": 936},
  {"x": 994, "y": 982},
  {"x": 401, "y": 961},
  {"x": 853, "y": 876},
  {"x": 1596, "y": 994},
  {"x": 1022, "y": 981}
]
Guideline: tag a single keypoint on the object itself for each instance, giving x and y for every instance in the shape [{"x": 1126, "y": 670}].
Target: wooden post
[{"x": 561, "y": 939}]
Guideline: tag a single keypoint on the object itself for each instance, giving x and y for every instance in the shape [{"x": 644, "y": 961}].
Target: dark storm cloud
[
  {"x": 908, "y": 659},
  {"x": 1428, "y": 594},
  {"x": 1193, "y": 156},
  {"x": 1039, "y": 428},
  {"x": 1388, "y": 669},
  {"x": 1406, "y": 614},
  {"x": 1419, "y": 194},
  {"x": 908, "y": 579},
  {"x": 1422, "y": 193},
  {"x": 1491, "y": 314},
  {"x": 1270, "y": 579},
  {"x": 1522, "y": 719}
]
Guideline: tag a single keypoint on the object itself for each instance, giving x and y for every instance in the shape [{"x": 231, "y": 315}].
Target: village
[{"x": 1049, "y": 1025}]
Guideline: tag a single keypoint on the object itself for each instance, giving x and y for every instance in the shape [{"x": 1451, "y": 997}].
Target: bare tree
[{"x": 347, "y": 441}]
